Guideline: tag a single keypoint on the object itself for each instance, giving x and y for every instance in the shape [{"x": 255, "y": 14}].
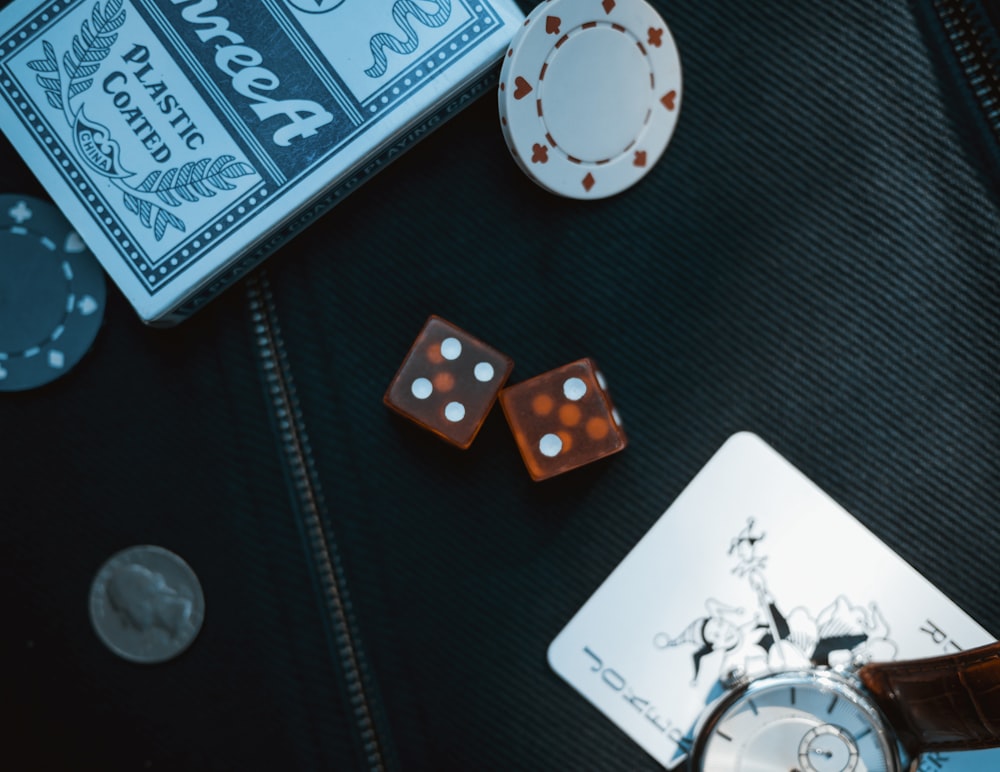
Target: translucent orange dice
[
  {"x": 563, "y": 419},
  {"x": 448, "y": 382}
]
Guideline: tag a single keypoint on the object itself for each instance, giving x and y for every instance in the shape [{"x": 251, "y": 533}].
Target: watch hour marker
[
  {"x": 753, "y": 706},
  {"x": 723, "y": 735},
  {"x": 833, "y": 703},
  {"x": 792, "y": 690},
  {"x": 863, "y": 733}
]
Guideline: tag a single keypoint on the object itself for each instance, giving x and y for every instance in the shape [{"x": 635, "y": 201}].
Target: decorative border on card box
[{"x": 150, "y": 209}]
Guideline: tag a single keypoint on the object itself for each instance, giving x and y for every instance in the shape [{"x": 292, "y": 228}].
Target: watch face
[{"x": 795, "y": 722}]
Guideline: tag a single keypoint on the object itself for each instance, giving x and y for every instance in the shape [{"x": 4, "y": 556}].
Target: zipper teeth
[
  {"x": 977, "y": 54},
  {"x": 298, "y": 456}
]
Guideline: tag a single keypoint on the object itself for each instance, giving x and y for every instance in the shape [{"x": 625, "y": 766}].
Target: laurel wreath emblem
[{"x": 150, "y": 198}]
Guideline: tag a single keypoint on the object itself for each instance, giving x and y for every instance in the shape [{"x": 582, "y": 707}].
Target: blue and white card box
[{"x": 188, "y": 139}]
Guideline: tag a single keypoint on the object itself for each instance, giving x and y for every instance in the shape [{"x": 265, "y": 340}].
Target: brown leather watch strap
[{"x": 942, "y": 703}]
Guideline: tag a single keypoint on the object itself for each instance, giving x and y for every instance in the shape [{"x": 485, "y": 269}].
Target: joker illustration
[{"x": 767, "y": 639}]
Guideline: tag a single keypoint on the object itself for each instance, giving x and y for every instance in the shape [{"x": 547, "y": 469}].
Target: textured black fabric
[{"x": 815, "y": 259}]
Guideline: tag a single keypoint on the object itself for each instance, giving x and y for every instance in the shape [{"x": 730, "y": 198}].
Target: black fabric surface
[{"x": 814, "y": 259}]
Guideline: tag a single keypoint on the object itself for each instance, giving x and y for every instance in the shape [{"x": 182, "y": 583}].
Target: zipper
[
  {"x": 972, "y": 28},
  {"x": 307, "y": 494}
]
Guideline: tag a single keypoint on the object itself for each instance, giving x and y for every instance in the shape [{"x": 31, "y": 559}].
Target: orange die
[
  {"x": 448, "y": 382},
  {"x": 563, "y": 419}
]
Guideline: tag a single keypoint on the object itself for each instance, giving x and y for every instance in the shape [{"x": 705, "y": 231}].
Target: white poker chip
[
  {"x": 52, "y": 294},
  {"x": 590, "y": 91}
]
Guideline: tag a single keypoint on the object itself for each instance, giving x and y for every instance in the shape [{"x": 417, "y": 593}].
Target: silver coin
[{"x": 146, "y": 604}]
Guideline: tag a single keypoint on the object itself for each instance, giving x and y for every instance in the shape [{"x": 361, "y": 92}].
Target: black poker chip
[{"x": 52, "y": 294}]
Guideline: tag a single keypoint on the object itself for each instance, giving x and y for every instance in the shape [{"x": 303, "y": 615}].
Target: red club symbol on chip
[
  {"x": 539, "y": 154},
  {"x": 640, "y": 158},
  {"x": 655, "y": 37},
  {"x": 521, "y": 88},
  {"x": 552, "y": 24}
]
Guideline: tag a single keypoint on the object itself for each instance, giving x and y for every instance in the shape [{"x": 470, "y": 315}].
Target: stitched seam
[
  {"x": 969, "y": 31},
  {"x": 297, "y": 454}
]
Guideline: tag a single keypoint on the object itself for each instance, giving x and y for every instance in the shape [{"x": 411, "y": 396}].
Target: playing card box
[{"x": 188, "y": 139}]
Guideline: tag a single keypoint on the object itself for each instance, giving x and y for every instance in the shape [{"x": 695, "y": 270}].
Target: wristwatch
[{"x": 875, "y": 717}]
